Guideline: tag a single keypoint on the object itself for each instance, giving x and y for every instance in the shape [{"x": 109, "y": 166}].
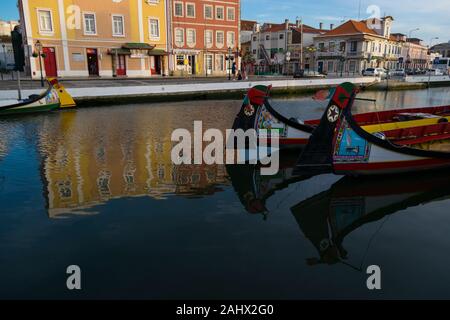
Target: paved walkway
[
  {"x": 28, "y": 84},
  {"x": 94, "y": 91}
]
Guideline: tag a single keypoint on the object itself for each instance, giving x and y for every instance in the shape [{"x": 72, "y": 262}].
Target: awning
[
  {"x": 138, "y": 46},
  {"x": 157, "y": 52},
  {"x": 119, "y": 51}
]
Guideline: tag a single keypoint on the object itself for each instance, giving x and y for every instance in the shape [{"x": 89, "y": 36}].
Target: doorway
[
  {"x": 121, "y": 66},
  {"x": 209, "y": 64},
  {"x": 193, "y": 65},
  {"x": 50, "y": 62},
  {"x": 320, "y": 66},
  {"x": 92, "y": 61},
  {"x": 156, "y": 65}
]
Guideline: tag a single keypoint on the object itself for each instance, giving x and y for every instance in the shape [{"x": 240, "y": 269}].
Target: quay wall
[{"x": 210, "y": 90}]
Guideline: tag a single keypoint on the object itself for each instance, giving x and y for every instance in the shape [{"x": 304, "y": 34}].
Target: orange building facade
[
  {"x": 202, "y": 34},
  {"x": 106, "y": 38}
]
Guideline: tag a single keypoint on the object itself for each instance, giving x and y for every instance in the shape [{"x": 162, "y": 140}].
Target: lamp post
[
  {"x": 429, "y": 72},
  {"x": 38, "y": 47},
  {"x": 312, "y": 50},
  {"x": 4, "y": 54},
  {"x": 230, "y": 59}
]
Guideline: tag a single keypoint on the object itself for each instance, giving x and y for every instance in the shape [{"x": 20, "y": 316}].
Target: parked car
[
  {"x": 435, "y": 72},
  {"x": 308, "y": 74},
  {"x": 398, "y": 72},
  {"x": 375, "y": 72}
]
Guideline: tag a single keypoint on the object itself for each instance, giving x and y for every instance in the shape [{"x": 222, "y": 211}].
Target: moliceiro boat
[
  {"x": 257, "y": 113},
  {"x": 54, "y": 97},
  {"x": 396, "y": 141}
]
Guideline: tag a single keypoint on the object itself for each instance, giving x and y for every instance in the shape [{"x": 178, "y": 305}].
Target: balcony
[{"x": 349, "y": 54}]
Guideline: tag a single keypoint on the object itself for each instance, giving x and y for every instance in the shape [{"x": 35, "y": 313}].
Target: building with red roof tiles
[
  {"x": 356, "y": 45},
  {"x": 278, "y": 47}
]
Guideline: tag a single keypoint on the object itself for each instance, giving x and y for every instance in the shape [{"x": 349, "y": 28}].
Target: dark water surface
[{"x": 95, "y": 187}]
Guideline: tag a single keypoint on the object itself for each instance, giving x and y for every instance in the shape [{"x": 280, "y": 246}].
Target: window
[
  {"x": 220, "y": 64},
  {"x": 332, "y": 46},
  {"x": 118, "y": 26},
  {"x": 152, "y": 1},
  {"x": 230, "y": 39},
  {"x": 190, "y": 37},
  {"x": 154, "y": 28},
  {"x": 352, "y": 66},
  {"x": 220, "y": 41},
  {"x": 219, "y": 13},
  {"x": 178, "y": 9},
  {"x": 321, "y": 47},
  {"x": 179, "y": 37},
  {"x": 209, "y": 63},
  {"x": 89, "y": 24},
  {"x": 281, "y": 36},
  {"x": 330, "y": 66},
  {"x": 208, "y": 38},
  {"x": 231, "y": 14},
  {"x": 45, "y": 21},
  {"x": 267, "y": 37},
  {"x": 254, "y": 51},
  {"x": 190, "y": 10},
  {"x": 180, "y": 60},
  {"x": 254, "y": 39},
  {"x": 342, "y": 46},
  {"x": 208, "y": 11}
]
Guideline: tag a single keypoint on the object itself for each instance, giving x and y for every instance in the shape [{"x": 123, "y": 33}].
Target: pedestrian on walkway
[{"x": 233, "y": 70}]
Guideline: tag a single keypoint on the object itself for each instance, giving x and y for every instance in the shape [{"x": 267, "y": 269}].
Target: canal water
[{"x": 95, "y": 187}]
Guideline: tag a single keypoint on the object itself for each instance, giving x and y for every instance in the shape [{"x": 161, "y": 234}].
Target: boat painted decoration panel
[
  {"x": 265, "y": 120},
  {"x": 51, "y": 97},
  {"x": 349, "y": 146}
]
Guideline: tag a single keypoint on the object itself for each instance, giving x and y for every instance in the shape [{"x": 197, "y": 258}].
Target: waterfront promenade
[{"x": 107, "y": 90}]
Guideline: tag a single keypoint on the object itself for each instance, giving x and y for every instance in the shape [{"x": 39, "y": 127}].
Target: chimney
[
  {"x": 331, "y": 26},
  {"x": 286, "y": 24},
  {"x": 321, "y": 25}
]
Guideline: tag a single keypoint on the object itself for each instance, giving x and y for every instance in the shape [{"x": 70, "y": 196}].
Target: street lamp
[
  {"x": 411, "y": 31},
  {"x": 429, "y": 72},
  {"x": 230, "y": 59},
  {"x": 5, "y": 57},
  {"x": 312, "y": 50},
  {"x": 38, "y": 47}
]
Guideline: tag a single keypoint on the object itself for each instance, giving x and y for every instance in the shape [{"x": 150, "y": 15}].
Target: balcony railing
[{"x": 348, "y": 54}]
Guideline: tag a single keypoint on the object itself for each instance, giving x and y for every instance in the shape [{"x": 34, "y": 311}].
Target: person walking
[{"x": 233, "y": 70}]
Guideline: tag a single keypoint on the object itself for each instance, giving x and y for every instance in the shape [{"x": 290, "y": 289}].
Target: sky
[{"x": 432, "y": 17}]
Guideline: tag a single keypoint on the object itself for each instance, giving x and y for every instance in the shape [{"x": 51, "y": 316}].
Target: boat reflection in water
[
  {"x": 85, "y": 164},
  {"x": 326, "y": 219},
  {"x": 253, "y": 189}
]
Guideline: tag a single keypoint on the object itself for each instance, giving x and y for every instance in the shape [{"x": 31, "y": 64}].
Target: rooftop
[
  {"x": 271, "y": 27},
  {"x": 247, "y": 25},
  {"x": 351, "y": 27}
]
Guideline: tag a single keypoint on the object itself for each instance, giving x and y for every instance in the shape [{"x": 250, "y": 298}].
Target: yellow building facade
[
  {"x": 88, "y": 161},
  {"x": 103, "y": 38}
]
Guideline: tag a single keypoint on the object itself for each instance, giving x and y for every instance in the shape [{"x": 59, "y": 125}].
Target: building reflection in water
[{"x": 87, "y": 162}]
